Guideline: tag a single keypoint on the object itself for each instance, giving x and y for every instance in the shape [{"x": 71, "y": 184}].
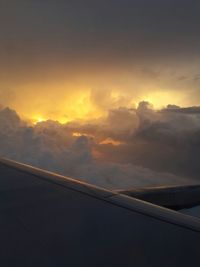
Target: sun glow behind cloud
[
  {"x": 38, "y": 119},
  {"x": 51, "y": 70},
  {"x": 160, "y": 99},
  {"x": 58, "y": 102},
  {"x": 79, "y": 106},
  {"x": 83, "y": 99}
]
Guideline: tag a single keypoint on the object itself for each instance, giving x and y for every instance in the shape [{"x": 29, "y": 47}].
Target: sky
[
  {"x": 97, "y": 54},
  {"x": 110, "y": 85}
]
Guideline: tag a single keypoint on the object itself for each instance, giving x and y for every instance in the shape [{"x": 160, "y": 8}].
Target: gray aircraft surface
[{"x": 52, "y": 220}]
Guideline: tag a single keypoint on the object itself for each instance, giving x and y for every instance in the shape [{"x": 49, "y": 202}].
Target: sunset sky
[
  {"x": 64, "y": 60},
  {"x": 99, "y": 133},
  {"x": 107, "y": 91}
]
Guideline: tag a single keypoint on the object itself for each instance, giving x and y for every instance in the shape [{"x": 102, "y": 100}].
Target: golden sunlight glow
[
  {"x": 77, "y": 134},
  {"x": 110, "y": 141},
  {"x": 162, "y": 99},
  {"x": 36, "y": 120},
  {"x": 70, "y": 103},
  {"x": 65, "y": 102},
  {"x": 78, "y": 106}
]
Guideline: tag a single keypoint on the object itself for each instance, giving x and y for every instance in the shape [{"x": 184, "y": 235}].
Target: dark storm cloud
[
  {"x": 164, "y": 140},
  {"x": 95, "y": 28}
]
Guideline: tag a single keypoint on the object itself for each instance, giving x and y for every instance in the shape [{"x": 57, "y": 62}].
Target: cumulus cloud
[
  {"x": 146, "y": 147},
  {"x": 164, "y": 140}
]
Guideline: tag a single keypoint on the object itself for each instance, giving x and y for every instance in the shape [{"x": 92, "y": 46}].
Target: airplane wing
[
  {"x": 52, "y": 220},
  {"x": 173, "y": 197}
]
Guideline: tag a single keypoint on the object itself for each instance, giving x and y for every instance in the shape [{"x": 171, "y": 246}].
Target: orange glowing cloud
[
  {"x": 110, "y": 141},
  {"x": 86, "y": 97}
]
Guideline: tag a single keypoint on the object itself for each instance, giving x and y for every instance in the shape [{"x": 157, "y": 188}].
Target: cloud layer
[{"x": 131, "y": 147}]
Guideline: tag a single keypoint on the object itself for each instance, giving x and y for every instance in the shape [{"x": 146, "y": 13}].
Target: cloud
[
  {"x": 147, "y": 137},
  {"x": 164, "y": 140}
]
